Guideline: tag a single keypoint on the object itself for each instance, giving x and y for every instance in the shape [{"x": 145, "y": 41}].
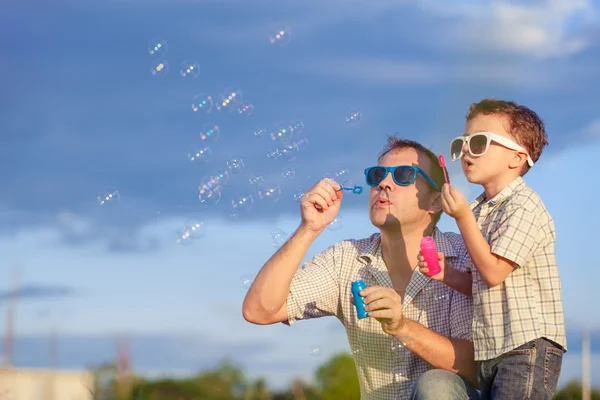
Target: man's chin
[{"x": 383, "y": 221}]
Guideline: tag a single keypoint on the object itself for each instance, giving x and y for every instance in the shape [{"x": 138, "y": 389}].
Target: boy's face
[{"x": 495, "y": 162}]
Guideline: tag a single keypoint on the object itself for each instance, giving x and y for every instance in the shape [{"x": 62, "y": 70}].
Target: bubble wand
[
  {"x": 356, "y": 189},
  {"x": 442, "y": 162}
]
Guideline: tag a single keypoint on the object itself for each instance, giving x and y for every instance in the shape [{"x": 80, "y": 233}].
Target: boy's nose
[{"x": 465, "y": 148}]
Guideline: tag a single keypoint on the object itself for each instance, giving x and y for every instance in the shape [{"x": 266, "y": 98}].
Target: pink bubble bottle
[{"x": 429, "y": 252}]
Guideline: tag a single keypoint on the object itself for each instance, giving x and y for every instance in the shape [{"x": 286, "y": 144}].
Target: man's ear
[{"x": 436, "y": 203}]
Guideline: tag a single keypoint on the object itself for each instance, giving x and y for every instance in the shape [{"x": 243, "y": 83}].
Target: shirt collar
[{"x": 505, "y": 193}]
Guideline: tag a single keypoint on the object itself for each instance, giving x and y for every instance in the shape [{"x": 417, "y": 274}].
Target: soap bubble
[
  {"x": 245, "y": 109},
  {"x": 297, "y": 127},
  {"x": 301, "y": 144},
  {"x": 280, "y": 35},
  {"x": 270, "y": 193},
  {"x": 209, "y": 196},
  {"x": 182, "y": 237},
  {"x": 256, "y": 180},
  {"x": 217, "y": 178},
  {"x": 210, "y": 133},
  {"x": 353, "y": 117},
  {"x": 315, "y": 350},
  {"x": 228, "y": 99},
  {"x": 278, "y": 237},
  {"x": 260, "y": 132},
  {"x": 157, "y": 47},
  {"x": 298, "y": 194},
  {"x": 342, "y": 175},
  {"x": 289, "y": 173},
  {"x": 336, "y": 224},
  {"x": 242, "y": 203},
  {"x": 109, "y": 198},
  {"x": 246, "y": 282},
  {"x": 235, "y": 165},
  {"x": 202, "y": 103},
  {"x": 159, "y": 68},
  {"x": 288, "y": 152},
  {"x": 200, "y": 155},
  {"x": 273, "y": 154},
  {"x": 195, "y": 227},
  {"x": 189, "y": 70},
  {"x": 281, "y": 132}
]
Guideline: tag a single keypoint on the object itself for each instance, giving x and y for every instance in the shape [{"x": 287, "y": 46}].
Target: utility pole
[
  {"x": 585, "y": 365},
  {"x": 7, "y": 356}
]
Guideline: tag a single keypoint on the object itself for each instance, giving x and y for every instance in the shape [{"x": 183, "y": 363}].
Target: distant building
[{"x": 45, "y": 384}]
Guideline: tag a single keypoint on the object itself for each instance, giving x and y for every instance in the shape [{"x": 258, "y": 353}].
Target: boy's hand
[
  {"x": 454, "y": 203},
  {"x": 424, "y": 270}
]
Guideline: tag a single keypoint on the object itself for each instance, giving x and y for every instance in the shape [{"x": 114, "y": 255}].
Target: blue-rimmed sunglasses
[{"x": 403, "y": 175}]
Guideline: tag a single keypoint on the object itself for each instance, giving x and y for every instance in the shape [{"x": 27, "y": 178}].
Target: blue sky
[{"x": 83, "y": 115}]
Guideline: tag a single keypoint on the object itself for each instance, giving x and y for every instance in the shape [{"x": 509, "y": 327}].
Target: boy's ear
[{"x": 518, "y": 160}]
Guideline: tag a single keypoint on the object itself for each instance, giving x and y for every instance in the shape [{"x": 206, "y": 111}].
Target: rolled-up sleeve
[{"x": 315, "y": 288}]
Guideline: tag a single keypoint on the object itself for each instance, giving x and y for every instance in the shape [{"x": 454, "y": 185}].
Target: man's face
[
  {"x": 495, "y": 162},
  {"x": 392, "y": 205}
]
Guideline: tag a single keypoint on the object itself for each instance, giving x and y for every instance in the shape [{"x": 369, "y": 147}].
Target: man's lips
[{"x": 383, "y": 201}]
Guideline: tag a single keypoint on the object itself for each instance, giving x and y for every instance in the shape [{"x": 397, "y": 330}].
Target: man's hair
[
  {"x": 436, "y": 173},
  {"x": 524, "y": 125}
]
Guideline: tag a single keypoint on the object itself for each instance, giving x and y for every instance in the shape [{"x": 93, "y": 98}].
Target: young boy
[{"x": 518, "y": 321}]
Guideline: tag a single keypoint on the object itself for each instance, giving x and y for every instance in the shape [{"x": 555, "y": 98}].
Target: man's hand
[
  {"x": 385, "y": 305},
  {"x": 424, "y": 270},
  {"x": 454, "y": 203},
  {"x": 320, "y": 205}
]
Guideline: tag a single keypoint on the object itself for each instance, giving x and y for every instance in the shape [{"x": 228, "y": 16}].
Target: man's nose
[{"x": 388, "y": 182}]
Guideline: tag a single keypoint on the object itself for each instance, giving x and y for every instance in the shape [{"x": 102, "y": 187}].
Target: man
[{"x": 425, "y": 349}]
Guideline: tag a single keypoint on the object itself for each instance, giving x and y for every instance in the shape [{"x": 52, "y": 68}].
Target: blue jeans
[
  {"x": 529, "y": 372},
  {"x": 439, "y": 384}
]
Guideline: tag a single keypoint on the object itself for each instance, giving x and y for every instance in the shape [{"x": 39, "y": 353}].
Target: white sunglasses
[{"x": 478, "y": 144}]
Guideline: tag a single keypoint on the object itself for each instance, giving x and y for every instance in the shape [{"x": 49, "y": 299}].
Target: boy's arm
[
  {"x": 492, "y": 268},
  {"x": 460, "y": 281}
]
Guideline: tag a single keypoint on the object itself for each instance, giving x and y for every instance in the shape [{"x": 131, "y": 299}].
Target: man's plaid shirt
[{"x": 386, "y": 369}]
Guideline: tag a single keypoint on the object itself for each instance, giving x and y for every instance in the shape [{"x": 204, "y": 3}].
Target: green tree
[
  {"x": 573, "y": 391},
  {"x": 226, "y": 382},
  {"x": 337, "y": 378},
  {"x": 299, "y": 390},
  {"x": 257, "y": 390}
]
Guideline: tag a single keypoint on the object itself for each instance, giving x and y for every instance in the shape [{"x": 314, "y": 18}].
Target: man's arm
[
  {"x": 266, "y": 300},
  {"x": 455, "y": 355},
  {"x": 492, "y": 268},
  {"x": 460, "y": 281}
]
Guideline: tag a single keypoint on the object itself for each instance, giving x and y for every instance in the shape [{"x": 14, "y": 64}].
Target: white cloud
[{"x": 546, "y": 29}]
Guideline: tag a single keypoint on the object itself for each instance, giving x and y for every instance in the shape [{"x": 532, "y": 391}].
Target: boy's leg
[
  {"x": 530, "y": 371},
  {"x": 485, "y": 377}
]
